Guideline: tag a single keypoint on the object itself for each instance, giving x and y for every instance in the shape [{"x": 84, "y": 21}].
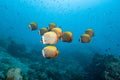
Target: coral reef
[
  {"x": 14, "y": 74},
  {"x": 56, "y": 70},
  {"x": 15, "y": 49},
  {"x": 16, "y": 58},
  {"x": 7, "y": 62},
  {"x": 113, "y": 70},
  {"x": 35, "y": 67},
  {"x": 3, "y": 43},
  {"x": 104, "y": 67}
]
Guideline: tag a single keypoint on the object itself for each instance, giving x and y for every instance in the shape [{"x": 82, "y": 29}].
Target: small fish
[
  {"x": 106, "y": 50},
  {"x": 118, "y": 45},
  {"x": 6, "y": 7}
]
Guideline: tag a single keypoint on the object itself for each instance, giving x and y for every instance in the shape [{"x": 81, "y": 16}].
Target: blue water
[{"x": 103, "y": 16}]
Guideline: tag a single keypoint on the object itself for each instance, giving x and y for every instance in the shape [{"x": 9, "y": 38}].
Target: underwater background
[{"x": 21, "y": 50}]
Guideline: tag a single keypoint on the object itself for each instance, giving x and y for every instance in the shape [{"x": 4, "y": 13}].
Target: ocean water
[{"x": 103, "y": 16}]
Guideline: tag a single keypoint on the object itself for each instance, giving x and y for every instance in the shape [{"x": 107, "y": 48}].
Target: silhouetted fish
[{"x": 118, "y": 45}]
